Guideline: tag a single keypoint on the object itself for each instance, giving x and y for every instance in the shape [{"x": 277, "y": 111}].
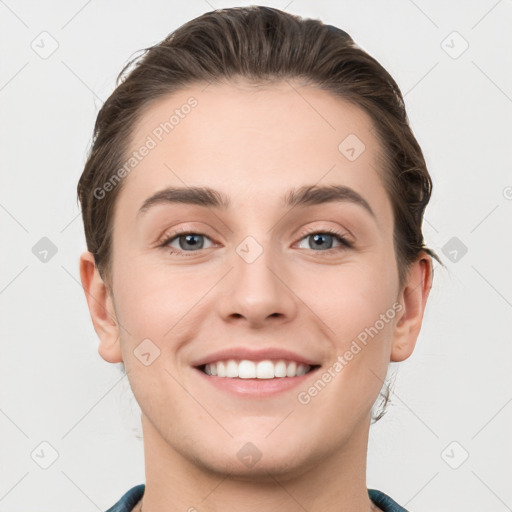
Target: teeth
[
  {"x": 246, "y": 369},
  {"x": 221, "y": 369},
  {"x": 232, "y": 369},
  {"x": 291, "y": 369},
  {"x": 265, "y": 370}
]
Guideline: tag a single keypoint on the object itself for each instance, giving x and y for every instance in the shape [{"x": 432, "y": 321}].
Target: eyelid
[
  {"x": 303, "y": 233},
  {"x": 342, "y": 233},
  {"x": 169, "y": 234}
]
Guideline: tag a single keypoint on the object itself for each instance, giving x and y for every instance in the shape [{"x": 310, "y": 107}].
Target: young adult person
[{"x": 253, "y": 204}]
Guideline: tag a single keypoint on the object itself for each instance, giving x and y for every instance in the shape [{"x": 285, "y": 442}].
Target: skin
[{"x": 253, "y": 145}]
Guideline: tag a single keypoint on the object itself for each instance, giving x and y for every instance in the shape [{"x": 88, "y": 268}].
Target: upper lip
[{"x": 253, "y": 355}]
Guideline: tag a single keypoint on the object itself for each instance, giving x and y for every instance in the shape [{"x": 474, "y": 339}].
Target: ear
[
  {"x": 101, "y": 307},
  {"x": 413, "y": 299}
]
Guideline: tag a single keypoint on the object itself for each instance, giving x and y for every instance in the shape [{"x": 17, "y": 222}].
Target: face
[{"x": 263, "y": 272}]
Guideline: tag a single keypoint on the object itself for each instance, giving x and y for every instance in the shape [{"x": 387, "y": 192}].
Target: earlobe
[
  {"x": 101, "y": 308},
  {"x": 413, "y": 299}
]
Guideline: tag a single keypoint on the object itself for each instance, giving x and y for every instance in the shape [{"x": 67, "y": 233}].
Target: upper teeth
[{"x": 246, "y": 369}]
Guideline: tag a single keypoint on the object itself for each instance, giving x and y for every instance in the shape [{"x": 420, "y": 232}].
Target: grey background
[{"x": 452, "y": 398}]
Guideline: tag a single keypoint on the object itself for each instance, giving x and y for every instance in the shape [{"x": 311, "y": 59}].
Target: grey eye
[
  {"x": 188, "y": 242},
  {"x": 322, "y": 241}
]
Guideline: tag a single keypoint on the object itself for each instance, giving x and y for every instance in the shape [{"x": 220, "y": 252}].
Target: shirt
[{"x": 131, "y": 497}]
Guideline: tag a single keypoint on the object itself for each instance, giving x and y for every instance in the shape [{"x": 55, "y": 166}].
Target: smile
[
  {"x": 247, "y": 378},
  {"x": 247, "y": 369}
]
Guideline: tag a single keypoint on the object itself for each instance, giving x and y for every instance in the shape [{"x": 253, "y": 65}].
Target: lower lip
[{"x": 256, "y": 388}]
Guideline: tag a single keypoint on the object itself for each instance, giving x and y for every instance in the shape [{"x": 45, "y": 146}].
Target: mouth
[
  {"x": 255, "y": 379},
  {"x": 261, "y": 370}
]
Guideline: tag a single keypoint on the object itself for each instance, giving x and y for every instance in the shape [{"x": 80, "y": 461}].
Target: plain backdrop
[{"x": 68, "y": 421}]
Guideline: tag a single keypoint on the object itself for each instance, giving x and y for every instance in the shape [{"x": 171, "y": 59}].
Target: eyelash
[{"x": 345, "y": 244}]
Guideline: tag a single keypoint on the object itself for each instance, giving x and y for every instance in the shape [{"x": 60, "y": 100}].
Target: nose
[{"x": 258, "y": 290}]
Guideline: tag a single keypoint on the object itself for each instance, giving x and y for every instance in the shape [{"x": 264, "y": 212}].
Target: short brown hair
[{"x": 260, "y": 45}]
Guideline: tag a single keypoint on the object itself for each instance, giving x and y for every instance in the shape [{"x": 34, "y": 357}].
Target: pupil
[
  {"x": 190, "y": 240},
  {"x": 319, "y": 237}
]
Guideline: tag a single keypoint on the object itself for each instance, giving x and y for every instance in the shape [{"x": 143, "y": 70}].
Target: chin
[
  {"x": 259, "y": 460},
  {"x": 267, "y": 469}
]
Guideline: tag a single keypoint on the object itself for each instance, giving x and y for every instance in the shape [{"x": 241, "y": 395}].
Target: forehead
[{"x": 254, "y": 144}]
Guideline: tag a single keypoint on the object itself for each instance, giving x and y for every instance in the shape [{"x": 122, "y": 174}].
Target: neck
[{"x": 333, "y": 484}]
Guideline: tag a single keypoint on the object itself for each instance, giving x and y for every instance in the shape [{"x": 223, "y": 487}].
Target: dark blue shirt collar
[{"x": 131, "y": 497}]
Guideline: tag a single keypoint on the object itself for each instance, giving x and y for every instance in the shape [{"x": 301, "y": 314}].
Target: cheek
[
  {"x": 159, "y": 303},
  {"x": 359, "y": 308},
  {"x": 357, "y": 304},
  {"x": 151, "y": 306}
]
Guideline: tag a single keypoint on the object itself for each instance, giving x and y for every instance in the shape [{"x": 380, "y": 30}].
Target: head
[{"x": 302, "y": 194}]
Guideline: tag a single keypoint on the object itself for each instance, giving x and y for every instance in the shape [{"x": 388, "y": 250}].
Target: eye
[
  {"x": 323, "y": 240},
  {"x": 186, "y": 241}
]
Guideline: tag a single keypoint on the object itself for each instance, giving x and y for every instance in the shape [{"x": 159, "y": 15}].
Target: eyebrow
[{"x": 304, "y": 196}]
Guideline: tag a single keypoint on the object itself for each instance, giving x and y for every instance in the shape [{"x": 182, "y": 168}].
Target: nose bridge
[{"x": 256, "y": 288}]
